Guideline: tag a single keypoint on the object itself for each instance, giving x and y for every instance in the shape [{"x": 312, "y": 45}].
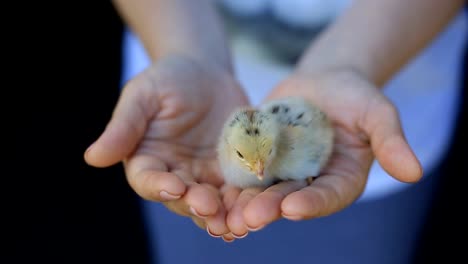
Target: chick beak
[{"x": 259, "y": 170}]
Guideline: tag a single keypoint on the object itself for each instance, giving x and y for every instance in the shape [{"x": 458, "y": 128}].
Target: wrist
[{"x": 323, "y": 58}]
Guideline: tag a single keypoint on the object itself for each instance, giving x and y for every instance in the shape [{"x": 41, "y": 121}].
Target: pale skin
[{"x": 160, "y": 127}]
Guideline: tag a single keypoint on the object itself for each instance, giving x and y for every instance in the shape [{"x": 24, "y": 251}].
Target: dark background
[{"x": 64, "y": 211}]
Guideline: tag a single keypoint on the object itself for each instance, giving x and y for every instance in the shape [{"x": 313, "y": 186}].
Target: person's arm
[
  {"x": 376, "y": 38},
  {"x": 183, "y": 27}
]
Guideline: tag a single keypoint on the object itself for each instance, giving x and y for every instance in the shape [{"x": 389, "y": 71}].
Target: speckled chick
[
  {"x": 306, "y": 139},
  {"x": 285, "y": 139},
  {"x": 247, "y": 146}
]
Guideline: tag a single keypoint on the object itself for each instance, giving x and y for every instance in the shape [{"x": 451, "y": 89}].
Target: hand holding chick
[
  {"x": 284, "y": 139},
  {"x": 364, "y": 124}
]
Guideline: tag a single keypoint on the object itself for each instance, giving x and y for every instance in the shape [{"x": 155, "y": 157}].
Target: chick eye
[{"x": 240, "y": 155}]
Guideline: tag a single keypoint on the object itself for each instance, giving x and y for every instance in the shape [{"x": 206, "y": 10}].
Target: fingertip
[
  {"x": 261, "y": 210},
  {"x": 158, "y": 186},
  {"x": 216, "y": 225},
  {"x": 228, "y": 238},
  {"x": 266, "y": 207},
  {"x": 235, "y": 221},
  {"x": 202, "y": 200},
  {"x": 389, "y": 143},
  {"x": 414, "y": 172},
  {"x": 291, "y": 205},
  {"x": 109, "y": 149},
  {"x": 397, "y": 159},
  {"x": 235, "y": 218},
  {"x": 94, "y": 156},
  {"x": 300, "y": 205},
  {"x": 172, "y": 184}
]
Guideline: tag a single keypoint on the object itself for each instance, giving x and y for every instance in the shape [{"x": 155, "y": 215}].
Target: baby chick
[
  {"x": 285, "y": 139},
  {"x": 306, "y": 139},
  {"x": 247, "y": 146}
]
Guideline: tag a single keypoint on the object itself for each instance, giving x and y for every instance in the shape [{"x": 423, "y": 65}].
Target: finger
[
  {"x": 266, "y": 207},
  {"x": 149, "y": 178},
  {"x": 199, "y": 200},
  {"x": 216, "y": 225},
  {"x": 235, "y": 217},
  {"x": 230, "y": 195},
  {"x": 229, "y": 238},
  {"x": 126, "y": 127},
  {"x": 202, "y": 224},
  {"x": 388, "y": 143},
  {"x": 326, "y": 195}
]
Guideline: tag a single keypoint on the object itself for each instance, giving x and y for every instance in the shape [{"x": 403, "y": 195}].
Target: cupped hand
[
  {"x": 165, "y": 128},
  {"x": 366, "y": 126}
]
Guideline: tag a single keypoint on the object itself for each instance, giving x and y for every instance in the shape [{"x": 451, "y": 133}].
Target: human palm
[
  {"x": 366, "y": 126},
  {"x": 165, "y": 128}
]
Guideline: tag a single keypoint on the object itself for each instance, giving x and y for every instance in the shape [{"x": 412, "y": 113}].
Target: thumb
[
  {"x": 388, "y": 143},
  {"x": 126, "y": 127}
]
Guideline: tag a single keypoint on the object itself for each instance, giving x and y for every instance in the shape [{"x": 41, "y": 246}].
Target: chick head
[{"x": 251, "y": 136}]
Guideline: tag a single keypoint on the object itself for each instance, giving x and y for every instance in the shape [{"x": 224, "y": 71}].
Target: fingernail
[
  {"x": 252, "y": 229},
  {"x": 293, "y": 217},
  {"x": 211, "y": 234},
  {"x": 241, "y": 236},
  {"x": 194, "y": 212},
  {"x": 228, "y": 238},
  {"x": 167, "y": 196}
]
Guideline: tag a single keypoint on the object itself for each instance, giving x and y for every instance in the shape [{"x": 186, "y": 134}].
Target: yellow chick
[
  {"x": 247, "y": 146},
  {"x": 285, "y": 139},
  {"x": 306, "y": 139}
]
